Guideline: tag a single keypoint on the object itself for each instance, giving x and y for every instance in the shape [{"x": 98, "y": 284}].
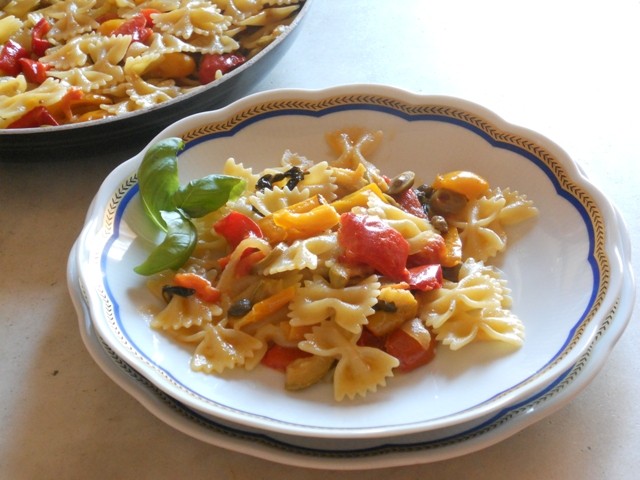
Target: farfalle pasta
[
  {"x": 332, "y": 272},
  {"x": 109, "y": 57}
]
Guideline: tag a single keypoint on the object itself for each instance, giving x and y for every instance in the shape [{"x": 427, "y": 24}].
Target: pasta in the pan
[
  {"x": 330, "y": 270},
  {"x": 109, "y": 57}
]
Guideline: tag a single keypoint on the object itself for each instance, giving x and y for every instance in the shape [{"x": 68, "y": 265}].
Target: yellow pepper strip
[
  {"x": 266, "y": 307},
  {"x": 358, "y": 198},
  {"x": 276, "y": 234},
  {"x": 304, "y": 225},
  {"x": 463, "y": 182},
  {"x": 453, "y": 244}
]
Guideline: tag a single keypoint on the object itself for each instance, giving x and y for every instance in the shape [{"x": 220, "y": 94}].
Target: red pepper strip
[
  {"x": 248, "y": 259},
  {"x": 212, "y": 62},
  {"x": 36, "y": 117},
  {"x": 33, "y": 70},
  {"x": 368, "y": 339},
  {"x": 235, "y": 227},
  {"x": 39, "y": 44},
  {"x": 369, "y": 240},
  {"x": 425, "y": 277},
  {"x": 147, "y": 12},
  {"x": 10, "y": 56},
  {"x": 136, "y": 26},
  {"x": 278, "y": 357},
  {"x": 432, "y": 252}
]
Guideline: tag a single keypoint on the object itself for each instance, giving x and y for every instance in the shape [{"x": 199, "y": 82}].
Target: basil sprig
[{"x": 171, "y": 206}]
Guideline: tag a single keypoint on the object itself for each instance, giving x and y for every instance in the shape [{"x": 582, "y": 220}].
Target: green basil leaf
[
  {"x": 175, "y": 249},
  {"x": 207, "y": 194},
  {"x": 158, "y": 178}
]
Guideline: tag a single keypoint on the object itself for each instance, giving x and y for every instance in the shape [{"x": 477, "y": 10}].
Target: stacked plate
[{"x": 569, "y": 271}]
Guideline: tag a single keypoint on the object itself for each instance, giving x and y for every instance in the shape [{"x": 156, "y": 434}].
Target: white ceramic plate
[
  {"x": 441, "y": 445},
  {"x": 565, "y": 268}
]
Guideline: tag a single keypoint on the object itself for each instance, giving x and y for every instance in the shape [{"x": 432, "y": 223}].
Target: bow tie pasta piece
[
  {"x": 223, "y": 348},
  {"x": 474, "y": 308},
  {"x": 185, "y": 312},
  {"x": 481, "y": 223},
  {"x": 359, "y": 369},
  {"x": 310, "y": 253},
  {"x": 348, "y": 307}
]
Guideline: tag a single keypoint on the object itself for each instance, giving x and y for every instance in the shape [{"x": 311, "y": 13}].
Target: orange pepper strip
[
  {"x": 267, "y": 306},
  {"x": 204, "y": 290},
  {"x": 453, "y": 244}
]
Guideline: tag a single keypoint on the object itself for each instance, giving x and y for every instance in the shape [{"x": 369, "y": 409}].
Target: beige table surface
[{"x": 568, "y": 69}]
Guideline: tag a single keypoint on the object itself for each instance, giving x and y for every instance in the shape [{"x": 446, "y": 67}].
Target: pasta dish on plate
[
  {"x": 67, "y": 61},
  {"x": 329, "y": 270}
]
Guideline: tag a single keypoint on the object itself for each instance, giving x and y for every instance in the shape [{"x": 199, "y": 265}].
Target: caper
[
  {"x": 444, "y": 201},
  {"x": 384, "y": 306},
  {"x": 401, "y": 183},
  {"x": 240, "y": 308},
  {"x": 168, "y": 291}
]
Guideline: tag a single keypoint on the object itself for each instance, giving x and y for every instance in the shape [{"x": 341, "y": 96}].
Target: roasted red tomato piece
[
  {"x": 369, "y": 240},
  {"x": 39, "y": 44},
  {"x": 408, "y": 201},
  {"x": 135, "y": 26},
  {"x": 410, "y": 352},
  {"x": 235, "y": 227},
  {"x": 36, "y": 117},
  {"x": 10, "y": 56},
  {"x": 213, "y": 62},
  {"x": 425, "y": 277}
]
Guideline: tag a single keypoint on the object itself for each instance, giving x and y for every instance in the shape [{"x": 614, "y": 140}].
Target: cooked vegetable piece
[
  {"x": 307, "y": 224},
  {"x": 405, "y": 305},
  {"x": 10, "y": 56},
  {"x": 279, "y": 357},
  {"x": 444, "y": 201},
  {"x": 235, "y": 227},
  {"x": 306, "y": 371},
  {"x": 267, "y": 306},
  {"x": 358, "y": 198},
  {"x": 368, "y": 239},
  {"x": 39, "y": 44},
  {"x": 36, "y": 117},
  {"x": 453, "y": 248},
  {"x": 466, "y": 183},
  {"x": 136, "y": 26},
  {"x": 409, "y": 345},
  {"x": 425, "y": 277},
  {"x": 202, "y": 287},
  {"x": 214, "y": 64}
]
